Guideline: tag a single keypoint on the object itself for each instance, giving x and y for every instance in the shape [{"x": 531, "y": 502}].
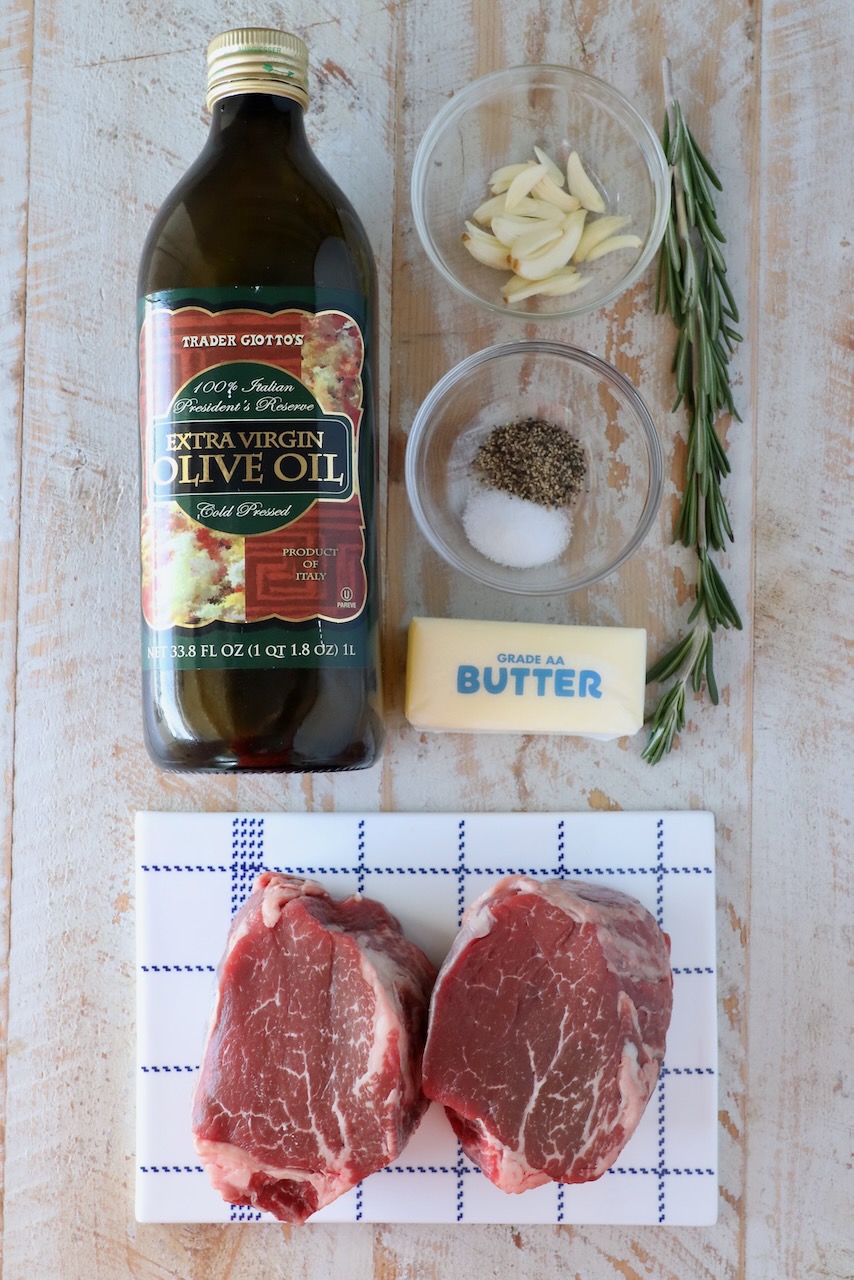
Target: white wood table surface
[{"x": 100, "y": 113}]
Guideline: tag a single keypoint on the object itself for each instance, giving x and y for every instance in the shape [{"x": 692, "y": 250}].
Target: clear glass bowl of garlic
[{"x": 540, "y": 191}]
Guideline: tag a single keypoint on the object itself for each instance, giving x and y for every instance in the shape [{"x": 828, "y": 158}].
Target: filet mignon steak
[
  {"x": 547, "y": 1029},
  {"x": 311, "y": 1077}
]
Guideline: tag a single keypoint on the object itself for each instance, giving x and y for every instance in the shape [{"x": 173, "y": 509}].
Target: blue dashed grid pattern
[{"x": 195, "y": 870}]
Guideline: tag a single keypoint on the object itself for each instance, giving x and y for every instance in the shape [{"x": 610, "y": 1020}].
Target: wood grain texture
[
  {"x": 15, "y": 78},
  {"x": 800, "y": 1080},
  {"x": 116, "y": 117}
]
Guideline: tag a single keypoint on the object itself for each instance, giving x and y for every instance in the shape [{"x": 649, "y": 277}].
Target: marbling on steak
[
  {"x": 547, "y": 1029},
  {"x": 311, "y": 1076}
]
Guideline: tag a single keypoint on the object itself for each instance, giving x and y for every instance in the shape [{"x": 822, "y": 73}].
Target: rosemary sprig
[{"x": 692, "y": 286}]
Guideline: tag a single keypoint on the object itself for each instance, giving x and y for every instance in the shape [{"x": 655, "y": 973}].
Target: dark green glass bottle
[{"x": 257, "y": 348}]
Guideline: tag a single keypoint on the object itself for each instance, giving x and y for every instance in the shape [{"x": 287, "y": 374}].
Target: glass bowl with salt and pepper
[{"x": 534, "y": 467}]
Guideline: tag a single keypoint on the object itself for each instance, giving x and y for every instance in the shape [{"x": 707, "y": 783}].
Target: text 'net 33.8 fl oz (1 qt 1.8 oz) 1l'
[{"x": 257, "y": 411}]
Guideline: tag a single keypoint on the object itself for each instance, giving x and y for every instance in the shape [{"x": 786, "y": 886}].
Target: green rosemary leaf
[
  {"x": 711, "y": 683},
  {"x": 712, "y": 606},
  {"x": 714, "y": 534},
  {"x": 699, "y": 667},
  {"x": 672, "y": 152},
  {"x": 714, "y": 251},
  {"x": 667, "y": 721},
  {"x": 673, "y": 288},
  {"x": 671, "y": 661},
  {"x": 729, "y": 615},
  {"x": 726, "y": 402},
  {"x": 707, "y": 370},
  {"x": 706, "y": 365},
  {"x": 700, "y": 441},
  {"x": 709, "y": 221},
  {"x": 686, "y": 528},
  {"x": 671, "y": 241},
  {"x": 726, "y": 524},
  {"x": 682, "y": 362},
  {"x": 718, "y": 526},
  {"x": 675, "y": 141},
  {"x": 688, "y": 278},
  {"x": 720, "y": 460},
  {"x": 719, "y": 397},
  {"x": 682, "y": 127},
  {"x": 711, "y": 300},
  {"x": 719, "y": 355},
  {"x": 701, "y": 158},
  {"x": 690, "y": 204},
  {"x": 699, "y": 606},
  {"x": 702, "y": 194},
  {"x": 725, "y": 611},
  {"x": 733, "y": 309},
  {"x": 714, "y": 310}
]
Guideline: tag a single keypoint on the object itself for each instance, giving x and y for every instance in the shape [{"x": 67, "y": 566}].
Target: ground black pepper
[{"x": 533, "y": 459}]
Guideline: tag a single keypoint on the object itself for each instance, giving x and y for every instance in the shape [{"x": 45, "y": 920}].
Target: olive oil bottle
[{"x": 257, "y": 349}]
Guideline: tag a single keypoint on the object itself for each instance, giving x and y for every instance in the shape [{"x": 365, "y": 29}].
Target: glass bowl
[
  {"x": 496, "y": 121},
  {"x": 586, "y": 396}
]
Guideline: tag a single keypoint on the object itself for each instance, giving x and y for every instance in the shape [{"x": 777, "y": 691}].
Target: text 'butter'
[{"x": 521, "y": 677}]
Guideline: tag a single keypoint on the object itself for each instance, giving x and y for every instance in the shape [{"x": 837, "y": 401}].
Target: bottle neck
[{"x": 243, "y": 119}]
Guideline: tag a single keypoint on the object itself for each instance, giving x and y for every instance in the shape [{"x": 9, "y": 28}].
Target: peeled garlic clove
[
  {"x": 580, "y": 185},
  {"x": 517, "y": 287},
  {"x": 552, "y": 170},
  {"x": 500, "y": 180},
  {"x": 491, "y": 255},
  {"x": 485, "y": 212},
  {"x": 560, "y": 283},
  {"x": 514, "y": 284},
  {"x": 565, "y": 281},
  {"x": 574, "y": 223},
  {"x": 507, "y": 226},
  {"x": 522, "y": 184},
  {"x": 534, "y": 208},
  {"x": 478, "y": 233},
  {"x": 546, "y": 190},
  {"x": 528, "y": 289},
  {"x": 595, "y": 232},
  {"x": 612, "y": 243},
  {"x": 537, "y": 266},
  {"x": 530, "y": 241},
  {"x": 525, "y": 207}
]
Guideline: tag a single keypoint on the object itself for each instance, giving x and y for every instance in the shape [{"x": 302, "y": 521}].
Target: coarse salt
[{"x": 513, "y": 531}]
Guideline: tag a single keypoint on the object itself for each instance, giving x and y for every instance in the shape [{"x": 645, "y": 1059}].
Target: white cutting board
[{"x": 194, "y": 870}]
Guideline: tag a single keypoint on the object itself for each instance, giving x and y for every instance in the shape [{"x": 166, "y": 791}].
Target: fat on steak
[
  {"x": 311, "y": 1077},
  {"x": 547, "y": 1029}
]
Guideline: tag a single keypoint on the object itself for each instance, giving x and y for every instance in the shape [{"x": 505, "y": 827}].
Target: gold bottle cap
[{"x": 257, "y": 60}]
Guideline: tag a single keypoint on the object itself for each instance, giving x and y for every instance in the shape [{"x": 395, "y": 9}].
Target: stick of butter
[{"x": 525, "y": 677}]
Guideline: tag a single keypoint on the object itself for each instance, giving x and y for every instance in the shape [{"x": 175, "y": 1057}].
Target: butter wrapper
[{"x": 525, "y": 677}]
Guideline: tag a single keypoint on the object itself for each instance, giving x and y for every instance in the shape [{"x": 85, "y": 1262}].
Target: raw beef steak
[
  {"x": 547, "y": 1029},
  {"x": 311, "y": 1076}
]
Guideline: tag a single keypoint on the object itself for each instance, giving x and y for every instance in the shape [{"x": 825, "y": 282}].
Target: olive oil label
[{"x": 253, "y": 525}]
